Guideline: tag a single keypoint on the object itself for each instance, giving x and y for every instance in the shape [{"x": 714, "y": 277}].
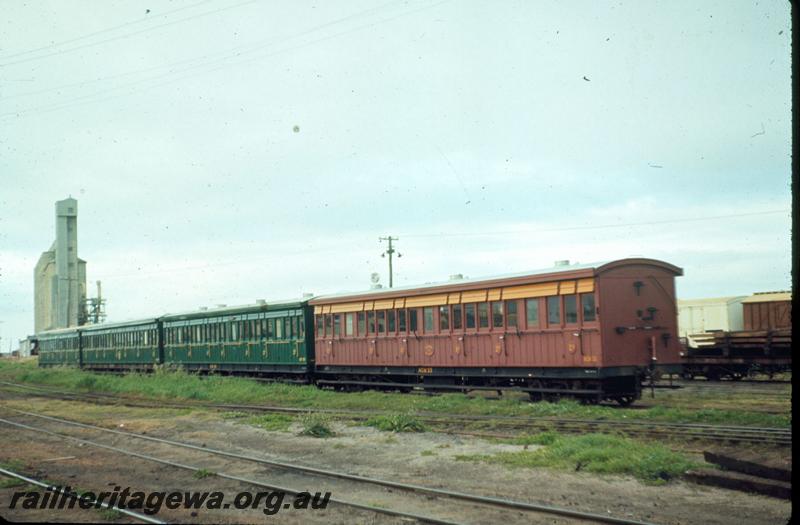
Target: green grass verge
[
  {"x": 110, "y": 514},
  {"x": 397, "y": 423},
  {"x": 596, "y": 453},
  {"x": 273, "y": 422},
  {"x": 316, "y": 425},
  {"x": 171, "y": 385},
  {"x": 7, "y": 483}
]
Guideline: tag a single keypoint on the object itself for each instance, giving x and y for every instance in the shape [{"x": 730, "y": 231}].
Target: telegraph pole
[{"x": 390, "y": 251}]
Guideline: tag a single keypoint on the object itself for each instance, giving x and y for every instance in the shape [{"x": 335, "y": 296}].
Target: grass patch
[
  {"x": 597, "y": 453},
  {"x": 110, "y": 514},
  {"x": 8, "y": 483},
  {"x": 397, "y": 423},
  {"x": 316, "y": 425},
  {"x": 273, "y": 422},
  {"x": 542, "y": 438},
  {"x": 203, "y": 473},
  {"x": 427, "y": 453},
  {"x": 13, "y": 465},
  {"x": 167, "y": 384},
  {"x": 234, "y": 415}
]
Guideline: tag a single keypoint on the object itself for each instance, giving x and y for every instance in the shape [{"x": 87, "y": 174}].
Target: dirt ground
[{"x": 421, "y": 458}]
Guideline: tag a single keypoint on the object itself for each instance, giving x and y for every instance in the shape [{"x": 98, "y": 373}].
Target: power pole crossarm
[{"x": 390, "y": 251}]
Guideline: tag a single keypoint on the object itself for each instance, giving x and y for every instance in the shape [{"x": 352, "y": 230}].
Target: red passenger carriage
[{"x": 588, "y": 331}]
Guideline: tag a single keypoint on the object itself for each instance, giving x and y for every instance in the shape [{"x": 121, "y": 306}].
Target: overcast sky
[{"x": 224, "y": 151}]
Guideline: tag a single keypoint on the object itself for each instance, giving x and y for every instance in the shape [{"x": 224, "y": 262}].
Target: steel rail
[
  {"x": 61, "y": 490},
  {"x": 380, "y": 510},
  {"x": 758, "y": 435},
  {"x": 430, "y": 415},
  {"x": 486, "y": 500}
]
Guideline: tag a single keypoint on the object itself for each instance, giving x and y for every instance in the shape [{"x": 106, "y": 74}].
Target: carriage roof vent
[
  {"x": 221, "y": 305},
  {"x": 261, "y": 301},
  {"x": 457, "y": 277},
  {"x": 307, "y": 295},
  {"x": 204, "y": 308},
  {"x": 562, "y": 262}
]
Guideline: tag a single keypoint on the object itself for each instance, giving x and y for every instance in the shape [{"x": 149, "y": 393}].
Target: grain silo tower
[{"x": 59, "y": 279}]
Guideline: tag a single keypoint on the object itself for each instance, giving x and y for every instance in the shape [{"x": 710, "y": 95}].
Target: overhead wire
[
  {"x": 127, "y": 35},
  {"x": 247, "y": 260},
  {"x": 595, "y": 226},
  {"x": 223, "y": 54},
  {"x": 102, "y": 31},
  {"x": 89, "y": 98}
]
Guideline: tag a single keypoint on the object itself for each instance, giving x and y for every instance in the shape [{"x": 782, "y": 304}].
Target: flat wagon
[
  {"x": 764, "y": 345},
  {"x": 588, "y": 331}
]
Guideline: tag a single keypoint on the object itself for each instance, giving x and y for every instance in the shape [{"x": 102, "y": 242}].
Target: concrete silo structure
[{"x": 59, "y": 279}]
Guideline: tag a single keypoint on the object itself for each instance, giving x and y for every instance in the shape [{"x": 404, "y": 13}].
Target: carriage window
[
  {"x": 287, "y": 326},
  {"x": 390, "y": 321},
  {"x": 587, "y": 302},
  {"x": 427, "y": 315},
  {"x": 444, "y": 318},
  {"x": 511, "y": 313},
  {"x": 294, "y": 326},
  {"x": 328, "y": 325},
  {"x": 381, "y": 315},
  {"x": 362, "y": 323},
  {"x": 401, "y": 320},
  {"x": 571, "y": 308},
  {"x": 412, "y": 319},
  {"x": 320, "y": 325},
  {"x": 337, "y": 324},
  {"x": 371, "y": 322},
  {"x": 483, "y": 315},
  {"x": 469, "y": 314},
  {"x": 279, "y": 326},
  {"x": 497, "y": 314},
  {"x": 532, "y": 311},
  {"x": 348, "y": 324},
  {"x": 301, "y": 326},
  {"x": 456, "y": 317},
  {"x": 271, "y": 327},
  {"x": 554, "y": 310}
]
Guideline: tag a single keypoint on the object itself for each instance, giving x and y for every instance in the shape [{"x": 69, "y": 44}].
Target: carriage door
[{"x": 572, "y": 331}]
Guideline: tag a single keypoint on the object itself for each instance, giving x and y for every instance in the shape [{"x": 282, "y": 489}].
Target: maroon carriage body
[{"x": 562, "y": 325}]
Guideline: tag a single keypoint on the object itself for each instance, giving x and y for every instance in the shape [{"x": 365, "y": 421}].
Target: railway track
[
  {"x": 757, "y": 386},
  {"x": 442, "y": 495},
  {"x": 456, "y": 423},
  {"x": 59, "y": 490}
]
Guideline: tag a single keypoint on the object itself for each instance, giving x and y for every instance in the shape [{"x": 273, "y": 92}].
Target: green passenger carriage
[
  {"x": 264, "y": 339},
  {"x": 59, "y": 347},
  {"x": 133, "y": 344},
  {"x": 270, "y": 339}
]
